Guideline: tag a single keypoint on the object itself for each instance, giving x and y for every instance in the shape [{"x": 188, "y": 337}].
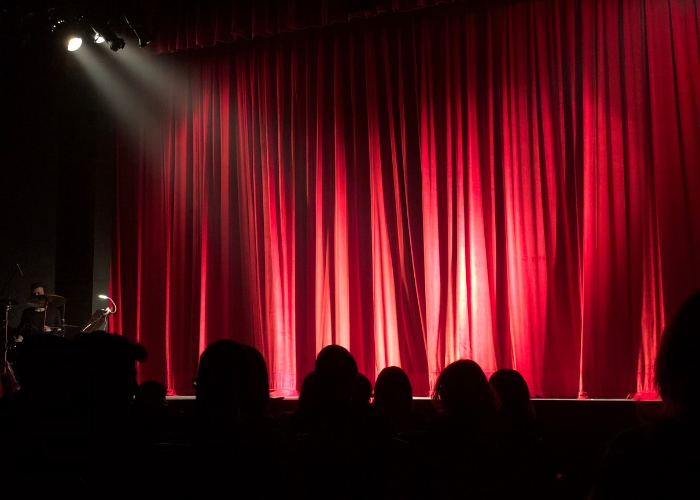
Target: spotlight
[
  {"x": 68, "y": 32},
  {"x": 74, "y": 44},
  {"x": 72, "y": 24},
  {"x": 107, "y": 34}
]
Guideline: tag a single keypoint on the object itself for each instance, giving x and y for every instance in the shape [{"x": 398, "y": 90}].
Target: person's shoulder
[
  {"x": 659, "y": 460},
  {"x": 631, "y": 442},
  {"x": 648, "y": 448}
]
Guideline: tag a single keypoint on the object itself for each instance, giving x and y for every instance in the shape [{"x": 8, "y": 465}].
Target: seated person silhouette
[
  {"x": 469, "y": 454},
  {"x": 346, "y": 448},
  {"x": 232, "y": 454},
  {"x": 299, "y": 422},
  {"x": 361, "y": 390},
  {"x": 662, "y": 459},
  {"x": 527, "y": 440},
  {"x": 38, "y": 319},
  {"x": 149, "y": 414},
  {"x": 514, "y": 396},
  {"x": 73, "y": 403},
  {"x": 394, "y": 395}
]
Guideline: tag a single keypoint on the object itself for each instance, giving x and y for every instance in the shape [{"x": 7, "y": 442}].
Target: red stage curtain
[
  {"x": 519, "y": 186},
  {"x": 187, "y": 24}
]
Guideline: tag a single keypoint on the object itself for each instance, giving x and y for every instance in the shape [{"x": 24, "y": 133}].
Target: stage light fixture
[
  {"x": 74, "y": 44},
  {"x": 74, "y": 24},
  {"x": 115, "y": 45},
  {"x": 104, "y": 31},
  {"x": 68, "y": 33},
  {"x": 105, "y": 297}
]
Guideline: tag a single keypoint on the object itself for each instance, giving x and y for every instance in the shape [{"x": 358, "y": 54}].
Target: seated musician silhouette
[{"x": 42, "y": 315}]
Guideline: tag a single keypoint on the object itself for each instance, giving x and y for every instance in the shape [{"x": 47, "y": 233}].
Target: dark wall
[
  {"x": 29, "y": 193},
  {"x": 57, "y": 166}
]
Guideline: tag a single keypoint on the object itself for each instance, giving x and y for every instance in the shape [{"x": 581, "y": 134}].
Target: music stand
[{"x": 98, "y": 321}]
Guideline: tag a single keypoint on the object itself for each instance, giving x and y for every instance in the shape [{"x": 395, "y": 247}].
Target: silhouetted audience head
[
  {"x": 103, "y": 371},
  {"x": 336, "y": 371},
  {"x": 362, "y": 390},
  {"x": 678, "y": 359},
  {"x": 660, "y": 459},
  {"x": 463, "y": 390},
  {"x": 512, "y": 391},
  {"x": 392, "y": 391},
  {"x": 223, "y": 377},
  {"x": 149, "y": 417},
  {"x": 41, "y": 367},
  {"x": 307, "y": 393},
  {"x": 151, "y": 392},
  {"x": 258, "y": 393}
]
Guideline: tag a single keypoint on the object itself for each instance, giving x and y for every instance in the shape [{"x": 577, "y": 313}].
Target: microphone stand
[{"x": 5, "y": 365}]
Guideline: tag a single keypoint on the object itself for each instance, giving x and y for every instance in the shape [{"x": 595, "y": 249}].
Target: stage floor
[{"x": 615, "y": 414}]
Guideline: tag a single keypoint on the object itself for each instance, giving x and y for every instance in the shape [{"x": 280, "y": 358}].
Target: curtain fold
[{"x": 516, "y": 185}]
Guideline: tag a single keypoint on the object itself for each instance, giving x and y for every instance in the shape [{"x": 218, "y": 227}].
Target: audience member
[
  {"x": 102, "y": 376},
  {"x": 300, "y": 422},
  {"x": 661, "y": 460},
  {"x": 257, "y": 396},
  {"x": 79, "y": 420},
  {"x": 42, "y": 402},
  {"x": 41, "y": 372},
  {"x": 150, "y": 415},
  {"x": 469, "y": 456},
  {"x": 223, "y": 378},
  {"x": 526, "y": 439},
  {"x": 307, "y": 394},
  {"x": 394, "y": 395},
  {"x": 513, "y": 394},
  {"x": 70, "y": 416},
  {"x": 462, "y": 391},
  {"x": 151, "y": 393},
  {"x": 232, "y": 455},
  {"x": 346, "y": 452},
  {"x": 335, "y": 411},
  {"x": 362, "y": 390},
  {"x": 336, "y": 371}
]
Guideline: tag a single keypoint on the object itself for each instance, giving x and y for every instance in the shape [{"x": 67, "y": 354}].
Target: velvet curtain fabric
[
  {"x": 186, "y": 24},
  {"x": 519, "y": 186}
]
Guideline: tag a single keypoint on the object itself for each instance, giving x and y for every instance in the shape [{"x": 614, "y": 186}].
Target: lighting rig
[{"x": 72, "y": 25}]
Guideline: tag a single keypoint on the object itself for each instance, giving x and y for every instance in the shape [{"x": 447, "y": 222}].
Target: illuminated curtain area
[{"x": 519, "y": 186}]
